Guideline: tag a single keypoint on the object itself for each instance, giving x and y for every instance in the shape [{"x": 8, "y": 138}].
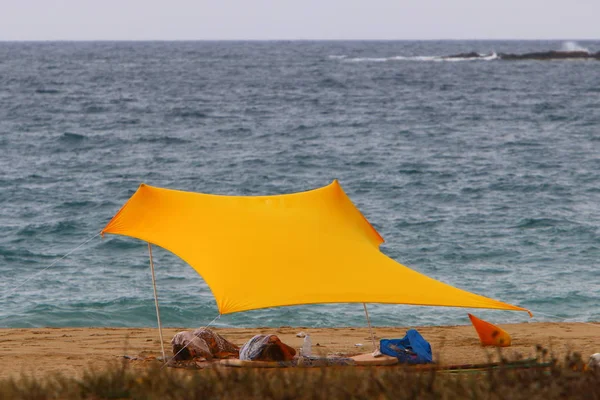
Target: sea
[{"x": 482, "y": 173}]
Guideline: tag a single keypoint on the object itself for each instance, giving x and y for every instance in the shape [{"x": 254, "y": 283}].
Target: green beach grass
[{"x": 569, "y": 378}]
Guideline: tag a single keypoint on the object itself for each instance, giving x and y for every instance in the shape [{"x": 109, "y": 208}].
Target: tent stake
[
  {"x": 370, "y": 327},
  {"x": 162, "y": 345}
]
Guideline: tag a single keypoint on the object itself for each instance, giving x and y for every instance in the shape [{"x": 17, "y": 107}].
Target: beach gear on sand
[
  {"x": 489, "y": 334},
  {"x": 411, "y": 349},
  {"x": 307, "y": 346},
  {"x": 308, "y": 362},
  {"x": 266, "y": 348},
  {"x": 202, "y": 343},
  {"x": 318, "y": 233}
]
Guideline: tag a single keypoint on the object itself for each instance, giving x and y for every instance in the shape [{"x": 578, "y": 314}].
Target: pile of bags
[
  {"x": 209, "y": 345},
  {"x": 411, "y": 349},
  {"x": 204, "y": 343}
]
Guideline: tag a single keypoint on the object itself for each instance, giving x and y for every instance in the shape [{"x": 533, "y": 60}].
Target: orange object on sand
[{"x": 489, "y": 334}]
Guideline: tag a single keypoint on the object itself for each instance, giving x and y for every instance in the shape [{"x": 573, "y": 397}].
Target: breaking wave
[
  {"x": 573, "y": 46},
  {"x": 480, "y": 57}
]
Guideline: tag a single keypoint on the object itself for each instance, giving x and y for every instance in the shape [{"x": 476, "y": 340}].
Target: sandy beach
[{"x": 71, "y": 351}]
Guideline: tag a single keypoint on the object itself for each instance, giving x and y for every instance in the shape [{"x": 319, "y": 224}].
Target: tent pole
[
  {"x": 162, "y": 345},
  {"x": 370, "y": 327}
]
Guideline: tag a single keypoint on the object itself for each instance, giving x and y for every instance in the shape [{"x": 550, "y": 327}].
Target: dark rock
[
  {"x": 549, "y": 55},
  {"x": 544, "y": 55},
  {"x": 465, "y": 55}
]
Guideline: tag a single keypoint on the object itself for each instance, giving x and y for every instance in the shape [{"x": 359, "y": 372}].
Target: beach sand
[{"x": 71, "y": 351}]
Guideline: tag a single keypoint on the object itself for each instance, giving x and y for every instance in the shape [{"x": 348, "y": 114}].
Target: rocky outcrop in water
[
  {"x": 544, "y": 55},
  {"x": 472, "y": 54},
  {"x": 551, "y": 55}
]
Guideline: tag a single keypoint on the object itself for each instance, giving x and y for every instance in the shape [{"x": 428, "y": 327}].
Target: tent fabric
[{"x": 269, "y": 251}]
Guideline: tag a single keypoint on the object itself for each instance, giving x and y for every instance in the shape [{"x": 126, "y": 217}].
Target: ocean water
[{"x": 480, "y": 173}]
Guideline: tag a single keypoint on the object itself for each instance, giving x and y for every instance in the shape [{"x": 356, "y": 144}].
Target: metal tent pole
[
  {"x": 370, "y": 327},
  {"x": 162, "y": 345}
]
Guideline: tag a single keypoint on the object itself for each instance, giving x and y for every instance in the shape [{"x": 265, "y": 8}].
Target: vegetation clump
[{"x": 546, "y": 380}]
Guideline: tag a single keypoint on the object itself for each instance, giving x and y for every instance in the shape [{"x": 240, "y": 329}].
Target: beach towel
[{"x": 411, "y": 349}]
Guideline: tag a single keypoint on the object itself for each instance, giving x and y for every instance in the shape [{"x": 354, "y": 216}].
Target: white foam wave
[
  {"x": 368, "y": 59},
  {"x": 490, "y": 57},
  {"x": 338, "y": 57},
  {"x": 482, "y": 57},
  {"x": 416, "y": 58},
  {"x": 573, "y": 46}
]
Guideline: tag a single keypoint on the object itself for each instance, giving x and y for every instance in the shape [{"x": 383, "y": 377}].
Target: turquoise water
[{"x": 482, "y": 174}]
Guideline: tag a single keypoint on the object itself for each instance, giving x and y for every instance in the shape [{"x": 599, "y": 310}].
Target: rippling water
[{"x": 482, "y": 174}]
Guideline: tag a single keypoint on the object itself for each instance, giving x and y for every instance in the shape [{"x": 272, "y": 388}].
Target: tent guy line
[
  {"x": 162, "y": 345},
  {"x": 6, "y": 295},
  {"x": 563, "y": 319}
]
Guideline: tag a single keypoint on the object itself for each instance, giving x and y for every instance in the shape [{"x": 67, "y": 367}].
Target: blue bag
[{"x": 411, "y": 349}]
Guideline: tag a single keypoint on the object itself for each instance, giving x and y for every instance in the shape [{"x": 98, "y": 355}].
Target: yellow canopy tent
[{"x": 282, "y": 250}]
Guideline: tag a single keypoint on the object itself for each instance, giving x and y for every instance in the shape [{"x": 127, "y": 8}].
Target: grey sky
[{"x": 298, "y": 19}]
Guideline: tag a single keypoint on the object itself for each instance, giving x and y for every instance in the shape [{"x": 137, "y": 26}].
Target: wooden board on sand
[
  {"x": 360, "y": 360},
  {"x": 234, "y": 362},
  {"x": 368, "y": 359}
]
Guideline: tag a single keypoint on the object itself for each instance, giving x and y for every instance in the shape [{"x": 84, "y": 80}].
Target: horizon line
[{"x": 303, "y": 40}]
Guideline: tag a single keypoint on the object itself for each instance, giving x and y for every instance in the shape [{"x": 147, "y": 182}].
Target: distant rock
[
  {"x": 544, "y": 55},
  {"x": 465, "y": 55},
  {"x": 550, "y": 55}
]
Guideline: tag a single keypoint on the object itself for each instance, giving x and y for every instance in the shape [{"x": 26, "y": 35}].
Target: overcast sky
[{"x": 298, "y": 19}]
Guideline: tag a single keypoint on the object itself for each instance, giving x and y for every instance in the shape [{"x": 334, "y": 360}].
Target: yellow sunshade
[{"x": 269, "y": 251}]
